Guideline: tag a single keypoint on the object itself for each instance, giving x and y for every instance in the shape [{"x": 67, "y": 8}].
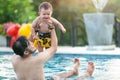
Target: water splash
[{"x": 100, "y": 4}]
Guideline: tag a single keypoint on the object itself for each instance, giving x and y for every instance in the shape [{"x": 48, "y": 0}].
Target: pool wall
[{"x": 75, "y": 50}]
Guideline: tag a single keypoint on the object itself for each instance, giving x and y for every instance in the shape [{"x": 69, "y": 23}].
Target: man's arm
[
  {"x": 58, "y": 24},
  {"x": 48, "y": 53}
]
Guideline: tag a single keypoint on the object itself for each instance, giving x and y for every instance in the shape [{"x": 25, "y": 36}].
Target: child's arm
[
  {"x": 33, "y": 33},
  {"x": 58, "y": 24},
  {"x": 34, "y": 23}
]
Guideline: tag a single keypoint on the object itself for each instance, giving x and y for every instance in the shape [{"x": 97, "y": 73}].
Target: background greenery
[{"x": 68, "y": 12}]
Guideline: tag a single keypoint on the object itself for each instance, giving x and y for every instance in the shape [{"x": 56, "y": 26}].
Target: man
[{"x": 26, "y": 66}]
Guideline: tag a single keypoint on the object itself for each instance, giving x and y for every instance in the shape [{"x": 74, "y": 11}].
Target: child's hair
[
  {"x": 20, "y": 45},
  {"x": 45, "y": 5}
]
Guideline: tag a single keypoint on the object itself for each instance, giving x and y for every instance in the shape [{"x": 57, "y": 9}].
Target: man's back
[{"x": 28, "y": 68}]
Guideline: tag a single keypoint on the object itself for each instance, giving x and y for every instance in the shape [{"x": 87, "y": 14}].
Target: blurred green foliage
[
  {"x": 16, "y": 11},
  {"x": 2, "y": 32}
]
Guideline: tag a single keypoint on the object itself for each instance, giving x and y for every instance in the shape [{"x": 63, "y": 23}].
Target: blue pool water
[{"x": 107, "y": 67}]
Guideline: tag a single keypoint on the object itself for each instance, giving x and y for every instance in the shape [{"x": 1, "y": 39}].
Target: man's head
[
  {"x": 22, "y": 45},
  {"x": 45, "y": 10}
]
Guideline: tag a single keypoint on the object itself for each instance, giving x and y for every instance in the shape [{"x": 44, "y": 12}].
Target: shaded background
[{"x": 68, "y": 12}]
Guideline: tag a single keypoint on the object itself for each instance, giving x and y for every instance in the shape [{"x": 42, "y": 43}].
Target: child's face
[{"x": 45, "y": 14}]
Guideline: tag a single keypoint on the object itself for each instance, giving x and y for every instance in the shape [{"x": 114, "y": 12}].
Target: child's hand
[{"x": 64, "y": 30}]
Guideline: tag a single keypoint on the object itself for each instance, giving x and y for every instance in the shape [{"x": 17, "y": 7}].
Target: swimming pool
[{"x": 107, "y": 67}]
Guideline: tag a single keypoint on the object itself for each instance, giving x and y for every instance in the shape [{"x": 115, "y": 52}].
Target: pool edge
[{"x": 75, "y": 50}]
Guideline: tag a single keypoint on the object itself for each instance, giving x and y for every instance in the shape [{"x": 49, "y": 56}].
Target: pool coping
[{"x": 76, "y": 50}]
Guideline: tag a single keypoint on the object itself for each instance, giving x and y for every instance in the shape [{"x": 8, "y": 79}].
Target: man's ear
[{"x": 26, "y": 52}]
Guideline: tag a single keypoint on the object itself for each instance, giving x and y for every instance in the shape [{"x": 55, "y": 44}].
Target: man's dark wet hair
[
  {"x": 20, "y": 45},
  {"x": 45, "y": 5}
]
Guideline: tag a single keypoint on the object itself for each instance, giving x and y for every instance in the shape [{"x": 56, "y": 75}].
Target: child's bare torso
[{"x": 44, "y": 26}]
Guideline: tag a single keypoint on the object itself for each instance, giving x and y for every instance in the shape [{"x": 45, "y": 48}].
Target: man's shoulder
[{"x": 15, "y": 58}]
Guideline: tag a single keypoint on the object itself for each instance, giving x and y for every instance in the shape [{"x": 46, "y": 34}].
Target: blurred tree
[
  {"x": 16, "y": 11},
  {"x": 36, "y": 4},
  {"x": 113, "y": 6},
  {"x": 1, "y": 30},
  {"x": 70, "y": 13}
]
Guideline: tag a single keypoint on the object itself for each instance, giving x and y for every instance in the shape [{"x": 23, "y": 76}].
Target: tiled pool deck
[{"x": 76, "y": 50}]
